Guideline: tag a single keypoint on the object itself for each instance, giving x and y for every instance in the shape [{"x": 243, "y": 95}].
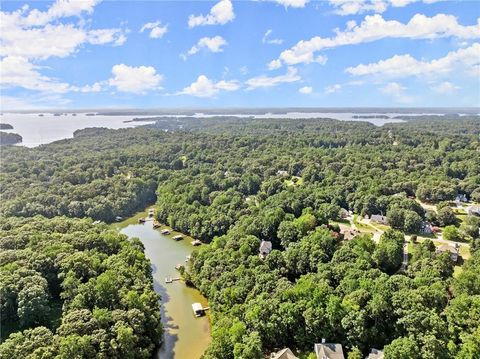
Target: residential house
[
  {"x": 449, "y": 249},
  {"x": 284, "y": 354},
  {"x": 329, "y": 351},
  {"x": 379, "y": 218},
  {"x": 376, "y": 354},
  {"x": 282, "y": 173},
  {"x": 461, "y": 198},
  {"x": 426, "y": 228},
  {"x": 474, "y": 211},
  {"x": 265, "y": 248},
  {"x": 348, "y": 233}
]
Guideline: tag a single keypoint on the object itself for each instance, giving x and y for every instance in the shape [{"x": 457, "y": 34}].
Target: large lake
[
  {"x": 185, "y": 336},
  {"x": 36, "y": 130}
]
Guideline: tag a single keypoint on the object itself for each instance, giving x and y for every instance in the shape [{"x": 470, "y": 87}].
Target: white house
[{"x": 265, "y": 248}]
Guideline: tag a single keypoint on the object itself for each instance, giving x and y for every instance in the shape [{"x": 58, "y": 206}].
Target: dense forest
[
  {"x": 71, "y": 289},
  {"x": 235, "y": 182}
]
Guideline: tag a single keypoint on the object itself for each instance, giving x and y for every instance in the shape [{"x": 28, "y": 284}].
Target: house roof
[
  {"x": 265, "y": 247},
  {"x": 376, "y": 354},
  {"x": 447, "y": 248},
  {"x": 329, "y": 351},
  {"x": 285, "y": 354}
]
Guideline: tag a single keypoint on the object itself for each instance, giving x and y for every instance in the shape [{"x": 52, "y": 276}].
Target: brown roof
[
  {"x": 329, "y": 351},
  {"x": 285, "y": 354}
]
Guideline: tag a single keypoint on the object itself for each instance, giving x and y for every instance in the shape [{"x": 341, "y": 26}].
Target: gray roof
[
  {"x": 265, "y": 247},
  {"x": 285, "y": 354},
  {"x": 447, "y": 248},
  {"x": 376, "y": 354},
  {"x": 329, "y": 351}
]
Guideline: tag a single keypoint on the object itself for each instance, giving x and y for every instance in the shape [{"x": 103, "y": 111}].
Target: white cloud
[
  {"x": 220, "y": 14},
  {"x": 306, "y": 90},
  {"x": 157, "y": 30},
  {"x": 106, "y": 36},
  {"x": 274, "y": 64},
  {"x": 445, "y": 88},
  {"x": 291, "y": 3},
  {"x": 135, "y": 79},
  {"x": 16, "y": 71},
  {"x": 244, "y": 70},
  {"x": 399, "y": 66},
  {"x": 267, "y": 40},
  {"x": 34, "y": 34},
  {"x": 352, "y": 7},
  {"x": 59, "y": 9},
  {"x": 267, "y": 81},
  {"x": 204, "y": 87},
  {"x": 375, "y": 28},
  {"x": 333, "y": 88},
  {"x": 397, "y": 91},
  {"x": 214, "y": 44}
]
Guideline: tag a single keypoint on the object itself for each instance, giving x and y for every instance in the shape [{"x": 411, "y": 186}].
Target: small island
[
  {"x": 6, "y": 126},
  {"x": 8, "y": 139}
]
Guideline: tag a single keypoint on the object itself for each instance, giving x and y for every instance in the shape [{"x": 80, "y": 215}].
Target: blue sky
[{"x": 92, "y": 54}]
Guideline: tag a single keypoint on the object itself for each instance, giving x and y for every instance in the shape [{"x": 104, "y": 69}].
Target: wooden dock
[{"x": 171, "y": 280}]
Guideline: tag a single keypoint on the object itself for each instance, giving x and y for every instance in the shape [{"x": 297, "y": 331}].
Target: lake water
[
  {"x": 186, "y": 336},
  {"x": 37, "y": 130}
]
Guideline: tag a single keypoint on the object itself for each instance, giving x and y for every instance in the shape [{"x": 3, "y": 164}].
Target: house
[
  {"x": 379, "y": 218},
  {"x": 348, "y": 233},
  {"x": 449, "y": 249},
  {"x": 265, "y": 249},
  {"x": 329, "y": 351},
  {"x": 426, "y": 228},
  {"x": 461, "y": 198},
  {"x": 343, "y": 213},
  {"x": 474, "y": 211},
  {"x": 284, "y": 354},
  {"x": 376, "y": 354},
  {"x": 282, "y": 173}
]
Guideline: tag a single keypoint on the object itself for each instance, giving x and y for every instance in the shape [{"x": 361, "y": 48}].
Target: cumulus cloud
[
  {"x": 397, "y": 92},
  {"x": 220, "y": 14},
  {"x": 352, "y": 7},
  {"x": 59, "y": 9},
  {"x": 375, "y": 27},
  {"x": 157, "y": 30},
  {"x": 266, "y": 38},
  {"x": 274, "y": 64},
  {"x": 445, "y": 88},
  {"x": 213, "y": 44},
  {"x": 400, "y": 66},
  {"x": 135, "y": 79},
  {"x": 31, "y": 33},
  {"x": 16, "y": 71},
  {"x": 204, "y": 87},
  {"x": 291, "y": 3},
  {"x": 333, "y": 88},
  {"x": 306, "y": 90},
  {"x": 270, "y": 81},
  {"x": 28, "y": 36}
]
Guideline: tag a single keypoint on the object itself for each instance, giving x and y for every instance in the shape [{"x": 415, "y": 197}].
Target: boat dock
[
  {"x": 198, "y": 309},
  {"x": 171, "y": 280}
]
